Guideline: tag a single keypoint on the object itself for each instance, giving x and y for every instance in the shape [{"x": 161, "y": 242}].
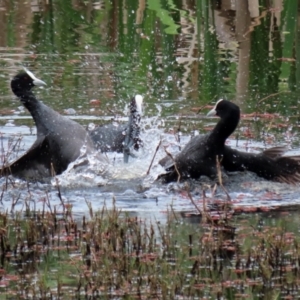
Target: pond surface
[{"x": 181, "y": 56}]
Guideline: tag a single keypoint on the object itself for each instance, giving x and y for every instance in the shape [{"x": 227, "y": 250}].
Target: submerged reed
[{"x": 111, "y": 255}]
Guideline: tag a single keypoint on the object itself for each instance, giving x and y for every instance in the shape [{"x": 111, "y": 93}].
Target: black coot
[
  {"x": 59, "y": 139},
  {"x": 121, "y": 138},
  {"x": 199, "y": 156}
]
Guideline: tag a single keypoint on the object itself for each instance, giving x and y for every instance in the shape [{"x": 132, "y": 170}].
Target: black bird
[
  {"x": 269, "y": 164},
  {"x": 59, "y": 139},
  {"x": 121, "y": 138},
  {"x": 199, "y": 155}
]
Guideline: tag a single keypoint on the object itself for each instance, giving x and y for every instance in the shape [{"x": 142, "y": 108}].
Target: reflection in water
[
  {"x": 180, "y": 55},
  {"x": 214, "y": 43}
]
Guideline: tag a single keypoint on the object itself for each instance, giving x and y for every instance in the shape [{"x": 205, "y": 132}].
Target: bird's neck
[
  {"x": 39, "y": 112},
  {"x": 224, "y": 128},
  {"x": 29, "y": 100},
  {"x": 133, "y": 129},
  {"x": 34, "y": 106}
]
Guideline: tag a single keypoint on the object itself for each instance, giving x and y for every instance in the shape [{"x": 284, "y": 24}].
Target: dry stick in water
[
  {"x": 3, "y": 190},
  {"x": 225, "y": 207},
  {"x": 11, "y": 148},
  {"x": 272, "y": 95},
  {"x": 269, "y": 96},
  {"x": 27, "y": 204},
  {"x": 48, "y": 203},
  {"x": 59, "y": 196},
  {"x": 201, "y": 108},
  {"x": 219, "y": 173},
  {"x": 115, "y": 113},
  {"x": 3, "y": 156},
  {"x": 52, "y": 171},
  {"x": 89, "y": 205},
  {"x": 213, "y": 190},
  {"x": 204, "y": 206},
  {"x": 175, "y": 166},
  {"x": 173, "y": 212},
  {"x": 206, "y": 217},
  {"x": 153, "y": 157},
  {"x": 16, "y": 145},
  {"x": 192, "y": 200},
  {"x": 14, "y": 203}
]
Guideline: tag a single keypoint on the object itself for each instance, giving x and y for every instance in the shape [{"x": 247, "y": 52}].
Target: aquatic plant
[{"x": 110, "y": 254}]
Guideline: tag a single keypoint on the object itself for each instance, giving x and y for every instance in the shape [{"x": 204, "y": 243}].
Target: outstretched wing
[{"x": 35, "y": 164}]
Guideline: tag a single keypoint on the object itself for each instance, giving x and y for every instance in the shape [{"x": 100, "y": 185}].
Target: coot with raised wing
[
  {"x": 200, "y": 154},
  {"x": 59, "y": 139}
]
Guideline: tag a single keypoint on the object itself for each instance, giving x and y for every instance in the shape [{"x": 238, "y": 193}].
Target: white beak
[
  {"x": 212, "y": 112},
  {"x": 36, "y": 81}
]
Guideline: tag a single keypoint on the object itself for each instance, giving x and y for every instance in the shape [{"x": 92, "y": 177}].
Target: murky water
[{"x": 95, "y": 55}]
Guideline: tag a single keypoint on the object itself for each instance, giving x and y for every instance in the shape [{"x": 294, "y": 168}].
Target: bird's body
[
  {"x": 191, "y": 162},
  {"x": 199, "y": 156},
  {"x": 269, "y": 164},
  {"x": 121, "y": 137},
  {"x": 59, "y": 139},
  {"x": 109, "y": 137}
]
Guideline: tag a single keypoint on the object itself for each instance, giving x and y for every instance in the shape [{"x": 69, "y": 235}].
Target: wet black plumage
[
  {"x": 119, "y": 137},
  {"x": 269, "y": 164},
  {"x": 59, "y": 139},
  {"x": 199, "y": 155}
]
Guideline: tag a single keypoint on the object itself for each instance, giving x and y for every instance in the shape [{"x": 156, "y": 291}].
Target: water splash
[
  {"x": 134, "y": 187},
  {"x": 90, "y": 171}
]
